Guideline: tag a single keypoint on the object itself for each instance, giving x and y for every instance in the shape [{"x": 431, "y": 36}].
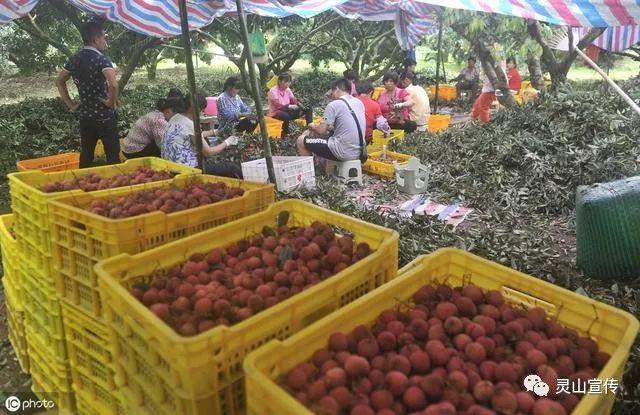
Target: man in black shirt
[{"x": 95, "y": 78}]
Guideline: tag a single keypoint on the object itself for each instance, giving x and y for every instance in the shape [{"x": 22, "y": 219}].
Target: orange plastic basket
[{"x": 59, "y": 162}]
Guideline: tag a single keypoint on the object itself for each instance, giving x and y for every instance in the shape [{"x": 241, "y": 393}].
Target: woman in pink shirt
[
  {"x": 389, "y": 99},
  {"x": 284, "y": 106}
]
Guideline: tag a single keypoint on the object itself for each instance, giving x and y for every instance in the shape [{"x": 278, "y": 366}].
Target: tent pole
[
  {"x": 256, "y": 91},
  {"x": 438, "y": 57},
  {"x": 191, "y": 79}
]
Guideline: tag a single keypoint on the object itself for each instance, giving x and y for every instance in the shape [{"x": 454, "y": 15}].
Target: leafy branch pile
[
  {"x": 531, "y": 160},
  {"x": 520, "y": 173}
]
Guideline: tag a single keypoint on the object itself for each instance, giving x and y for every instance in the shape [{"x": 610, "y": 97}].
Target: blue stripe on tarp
[
  {"x": 591, "y": 13},
  {"x": 540, "y": 9}
]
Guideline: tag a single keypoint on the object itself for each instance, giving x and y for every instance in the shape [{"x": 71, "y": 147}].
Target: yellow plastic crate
[
  {"x": 379, "y": 140},
  {"x": 376, "y": 92},
  {"x": 30, "y": 204},
  {"x": 446, "y": 93},
  {"x": 384, "y": 169},
  {"x": 82, "y": 238},
  {"x": 91, "y": 362},
  {"x": 57, "y": 162},
  {"x": 274, "y": 127},
  {"x": 42, "y": 313},
  {"x": 613, "y": 329},
  {"x": 10, "y": 258},
  {"x": 15, "y": 324},
  {"x": 99, "y": 151},
  {"x": 30, "y": 255},
  {"x": 438, "y": 122},
  {"x": 165, "y": 373},
  {"x": 303, "y": 123},
  {"x": 50, "y": 377}
]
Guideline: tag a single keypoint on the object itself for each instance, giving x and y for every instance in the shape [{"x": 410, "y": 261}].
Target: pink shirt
[
  {"x": 386, "y": 102},
  {"x": 150, "y": 127},
  {"x": 279, "y": 98}
]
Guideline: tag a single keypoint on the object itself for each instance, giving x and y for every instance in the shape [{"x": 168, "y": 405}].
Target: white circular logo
[
  {"x": 12, "y": 404},
  {"x": 535, "y": 384}
]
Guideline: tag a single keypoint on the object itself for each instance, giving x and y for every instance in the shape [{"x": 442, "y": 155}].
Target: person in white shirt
[
  {"x": 178, "y": 144},
  {"x": 482, "y": 105},
  {"x": 417, "y": 103}
]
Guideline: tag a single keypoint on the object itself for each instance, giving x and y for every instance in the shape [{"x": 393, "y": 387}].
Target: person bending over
[
  {"x": 234, "y": 116},
  {"x": 178, "y": 144},
  {"x": 372, "y": 111},
  {"x": 145, "y": 136}
]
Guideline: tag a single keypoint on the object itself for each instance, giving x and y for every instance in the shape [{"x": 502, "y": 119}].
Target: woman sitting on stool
[{"x": 284, "y": 106}]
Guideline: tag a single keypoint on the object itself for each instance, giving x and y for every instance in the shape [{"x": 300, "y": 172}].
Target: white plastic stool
[{"x": 346, "y": 171}]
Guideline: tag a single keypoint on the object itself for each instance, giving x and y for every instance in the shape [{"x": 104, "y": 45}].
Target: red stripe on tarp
[
  {"x": 565, "y": 13},
  {"x": 619, "y": 11}
]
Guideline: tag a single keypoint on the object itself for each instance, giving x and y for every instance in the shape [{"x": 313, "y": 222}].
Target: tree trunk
[
  {"x": 496, "y": 75},
  {"x": 535, "y": 72},
  {"x": 263, "y": 71},
  {"x": 491, "y": 68},
  {"x": 131, "y": 66},
  {"x": 152, "y": 70},
  {"x": 154, "y": 60},
  {"x": 560, "y": 69}
]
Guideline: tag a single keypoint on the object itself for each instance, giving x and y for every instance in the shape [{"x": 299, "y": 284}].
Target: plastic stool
[{"x": 346, "y": 171}]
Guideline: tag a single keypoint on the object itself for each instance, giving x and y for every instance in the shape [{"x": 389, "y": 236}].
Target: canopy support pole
[
  {"x": 191, "y": 80},
  {"x": 438, "y": 58},
  {"x": 256, "y": 92},
  {"x": 610, "y": 81}
]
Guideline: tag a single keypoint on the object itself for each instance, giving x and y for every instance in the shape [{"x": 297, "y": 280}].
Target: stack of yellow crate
[
  {"x": 81, "y": 239},
  {"x": 14, "y": 298},
  {"x": 48, "y": 357}
]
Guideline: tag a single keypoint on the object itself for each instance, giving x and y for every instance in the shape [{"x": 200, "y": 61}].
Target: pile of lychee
[
  {"x": 226, "y": 286},
  {"x": 93, "y": 181},
  {"x": 166, "y": 199},
  {"x": 452, "y": 351}
]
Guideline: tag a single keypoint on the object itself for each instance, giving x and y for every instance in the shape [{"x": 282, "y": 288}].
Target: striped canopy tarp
[
  {"x": 413, "y": 18},
  {"x": 161, "y": 18},
  {"x": 614, "y": 39}
]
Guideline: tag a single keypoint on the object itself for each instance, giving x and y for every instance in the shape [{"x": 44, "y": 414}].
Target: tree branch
[
  {"x": 583, "y": 43},
  {"x": 134, "y": 59},
  {"x": 70, "y": 12},
  {"x": 216, "y": 41},
  {"x": 34, "y": 30},
  {"x": 635, "y": 57},
  {"x": 305, "y": 40},
  {"x": 548, "y": 57}
]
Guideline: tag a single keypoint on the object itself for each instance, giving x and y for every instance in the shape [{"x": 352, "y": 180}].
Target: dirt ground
[{"x": 12, "y": 380}]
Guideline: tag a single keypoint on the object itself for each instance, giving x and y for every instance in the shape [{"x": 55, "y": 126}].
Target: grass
[{"x": 16, "y": 88}]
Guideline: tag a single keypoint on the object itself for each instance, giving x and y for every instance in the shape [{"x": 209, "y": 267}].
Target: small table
[{"x": 208, "y": 120}]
